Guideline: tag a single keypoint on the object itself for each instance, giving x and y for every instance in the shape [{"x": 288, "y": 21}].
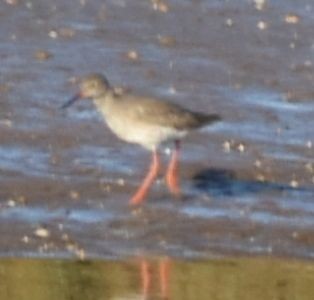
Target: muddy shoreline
[{"x": 248, "y": 182}]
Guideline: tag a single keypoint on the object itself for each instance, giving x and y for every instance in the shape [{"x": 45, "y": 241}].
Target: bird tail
[
  {"x": 208, "y": 119},
  {"x": 213, "y": 118}
]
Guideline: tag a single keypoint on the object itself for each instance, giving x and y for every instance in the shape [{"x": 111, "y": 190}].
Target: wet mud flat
[{"x": 247, "y": 182}]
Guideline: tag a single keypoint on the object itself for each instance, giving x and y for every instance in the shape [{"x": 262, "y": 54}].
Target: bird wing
[{"x": 166, "y": 114}]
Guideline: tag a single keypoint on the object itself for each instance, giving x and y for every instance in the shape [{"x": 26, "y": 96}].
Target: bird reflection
[{"x": 149, "y": 277}]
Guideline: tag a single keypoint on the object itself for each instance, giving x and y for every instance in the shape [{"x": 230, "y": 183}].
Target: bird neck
[{"x": 104, "y": 99}]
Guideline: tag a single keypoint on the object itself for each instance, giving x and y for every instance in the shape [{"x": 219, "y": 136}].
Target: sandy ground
[{"x": 248, "y": 182}]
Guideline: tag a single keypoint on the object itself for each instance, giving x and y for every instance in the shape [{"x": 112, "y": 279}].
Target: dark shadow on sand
[{"x": 221, "y": 182}]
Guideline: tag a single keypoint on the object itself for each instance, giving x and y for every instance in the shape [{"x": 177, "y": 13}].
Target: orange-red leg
[
  {"x": 145, "y": 278},
  {"x": 172, "y": 172},
  {"x": 141, "y": 193},
  {"x": 164, "y": 270}
]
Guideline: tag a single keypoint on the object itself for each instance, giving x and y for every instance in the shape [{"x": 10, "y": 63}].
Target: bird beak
[{"x": 71, "y": 101}]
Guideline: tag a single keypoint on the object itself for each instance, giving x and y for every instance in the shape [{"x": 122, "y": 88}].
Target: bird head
[{"x": 91, "y": 86}]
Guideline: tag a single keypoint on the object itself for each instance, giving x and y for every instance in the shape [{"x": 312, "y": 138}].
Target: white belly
[{"x": 147, "y": 135}]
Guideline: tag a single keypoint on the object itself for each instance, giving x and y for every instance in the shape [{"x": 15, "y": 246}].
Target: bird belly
[{"x": 147, "y": 135}]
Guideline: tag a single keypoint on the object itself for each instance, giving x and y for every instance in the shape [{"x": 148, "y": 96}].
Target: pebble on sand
[
  {"x": 160, "y": 6},
  {"x": 66, "y": 32},
  {"x": 12, "y": 2},
  {"x": 7, "y": 123},
  {"x": 260, "y": 177},
  {"x": 42, "y": 55},
  {"x": 294, "y": 183},
  {"x": 262, "y": 25},
  {"x": 309, "y": 167},
  {"x": 229, "y": 22},
  {"x": 42, "y": 232},
  {"x": 25, "y": 239},
  {"x": 292, "y": 19},
  {"x": 74, "y": 195},
  {"x": 120, "y": 182},
  {"x": 260, "y": 4},
  {"x": 241, "y": 148},
  {"x": 132, "y": 55},
  {"x": 257, "y": 163},
  {"x": 53, "y": 34},
  {"x": 11, "y": 203},
  {"x": 166, "y": 40},
  {"x": 76, "y": 250},
  {"x": 4, "y": 88},
  {"x": 226, "y": 146}
]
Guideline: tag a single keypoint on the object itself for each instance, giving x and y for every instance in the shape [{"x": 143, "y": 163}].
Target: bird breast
[{"x": 124, "y": 123}]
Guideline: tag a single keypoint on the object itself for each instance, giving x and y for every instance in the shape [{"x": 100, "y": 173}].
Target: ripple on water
[
  {"x": 25, "y": 160},
  {"x": 40, "y": 214},
  {"x": 99, "y": 156},
  {"x": 266, "y": 117},
  {"x": 274, "y": 101},
  {"x": 286, "y": 209}
]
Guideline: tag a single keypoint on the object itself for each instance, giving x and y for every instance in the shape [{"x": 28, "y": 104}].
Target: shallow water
[
  {"x": 248, "y": 182},
  {"x": 161, "y": 278}
]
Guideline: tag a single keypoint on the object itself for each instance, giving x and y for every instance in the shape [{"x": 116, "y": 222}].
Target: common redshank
[{"x": 146, "y": 121}]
